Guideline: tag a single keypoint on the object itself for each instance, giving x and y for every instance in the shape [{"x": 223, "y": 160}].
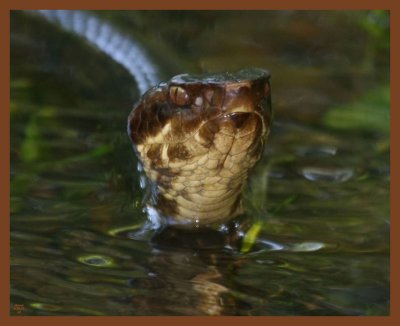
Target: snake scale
[{"x": 196, "y": 136}]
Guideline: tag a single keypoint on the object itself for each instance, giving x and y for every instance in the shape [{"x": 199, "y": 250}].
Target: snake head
[{"x": 197, "y": 137}]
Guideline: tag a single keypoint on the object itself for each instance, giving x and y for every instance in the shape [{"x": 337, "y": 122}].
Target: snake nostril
[{"x": 198, "y": 101}]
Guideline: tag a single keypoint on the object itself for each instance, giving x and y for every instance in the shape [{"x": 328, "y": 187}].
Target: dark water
[{"x": 320, "y": 193}]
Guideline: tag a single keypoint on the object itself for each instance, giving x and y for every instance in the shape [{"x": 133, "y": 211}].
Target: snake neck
[
  {"x": 202, "y": 193},
  {"x": 213, "y": 199}
]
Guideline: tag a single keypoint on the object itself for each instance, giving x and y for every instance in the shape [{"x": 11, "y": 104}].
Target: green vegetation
[{"x": 370, "y": 113}]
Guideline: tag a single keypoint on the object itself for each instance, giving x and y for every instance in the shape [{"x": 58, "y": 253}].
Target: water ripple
[{"x": 327, "y": 174}]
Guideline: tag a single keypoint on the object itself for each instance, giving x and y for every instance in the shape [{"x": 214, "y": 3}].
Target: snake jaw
[{"x": 197, "y": 139}]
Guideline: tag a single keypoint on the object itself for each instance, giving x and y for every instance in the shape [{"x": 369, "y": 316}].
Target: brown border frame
[{"x": 7, "y": 5}]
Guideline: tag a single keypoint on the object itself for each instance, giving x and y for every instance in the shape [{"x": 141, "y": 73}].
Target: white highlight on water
[{"x": 121, "y": 48}]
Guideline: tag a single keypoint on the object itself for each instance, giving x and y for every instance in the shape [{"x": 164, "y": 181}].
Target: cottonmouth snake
[{"x": 197, "y": 136}]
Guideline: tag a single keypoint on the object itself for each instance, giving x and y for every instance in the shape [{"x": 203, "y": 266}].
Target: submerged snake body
[{"x": 197, "y": 138}]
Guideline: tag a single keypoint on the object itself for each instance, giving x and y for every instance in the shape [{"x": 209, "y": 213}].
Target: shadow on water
[{"x": 318, "y": 200}]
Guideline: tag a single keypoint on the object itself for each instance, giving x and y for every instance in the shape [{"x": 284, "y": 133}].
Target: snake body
[
  {"x": 196, "y": 136},
  {"x": 121, "y": 48}
]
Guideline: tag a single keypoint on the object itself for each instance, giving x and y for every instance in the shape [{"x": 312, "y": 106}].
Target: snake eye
[{"x": 178, "y": 95}]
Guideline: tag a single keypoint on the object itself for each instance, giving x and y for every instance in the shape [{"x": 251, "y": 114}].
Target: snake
[{"x": 196, "y": 136}]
